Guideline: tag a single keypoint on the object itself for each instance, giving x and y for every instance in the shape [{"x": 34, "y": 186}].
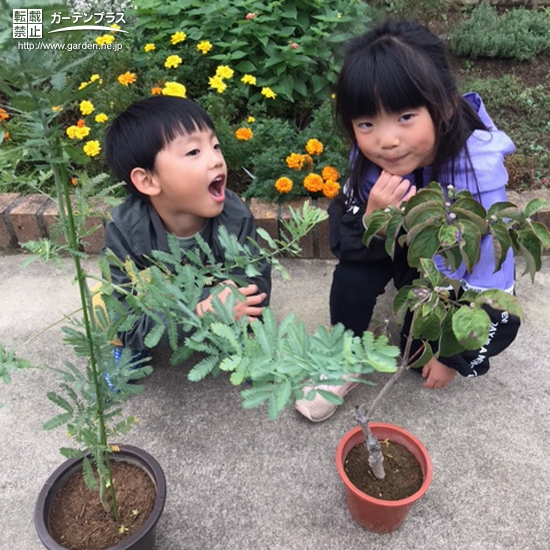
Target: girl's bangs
[{"x": 383, "y": 82}]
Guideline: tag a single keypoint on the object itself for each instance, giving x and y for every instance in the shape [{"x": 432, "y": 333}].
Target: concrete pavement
[{"x": 238, "y": 481}]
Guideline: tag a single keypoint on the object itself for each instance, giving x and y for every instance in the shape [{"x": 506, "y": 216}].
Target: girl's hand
[
  {"x": 249, "y": 306},
  {"x": 437, "y": 374},
  {"x": 389, "y": 190}
]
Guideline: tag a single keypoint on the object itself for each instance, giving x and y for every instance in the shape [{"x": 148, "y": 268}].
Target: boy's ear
[{"x": 145, "y": 182}]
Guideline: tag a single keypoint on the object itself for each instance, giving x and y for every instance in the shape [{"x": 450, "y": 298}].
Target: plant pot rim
[
  {"x": 428, "y": 467},
  {"x": 135, "y": 455}
]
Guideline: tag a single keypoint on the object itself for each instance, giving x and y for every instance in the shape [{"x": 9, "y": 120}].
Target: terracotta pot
[
  {"x": 382, "y": 516},
  {"x": 143, "y": 538}
]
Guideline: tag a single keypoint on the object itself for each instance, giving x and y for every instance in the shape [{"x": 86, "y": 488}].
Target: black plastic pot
[{"x": 143, "y": 538}]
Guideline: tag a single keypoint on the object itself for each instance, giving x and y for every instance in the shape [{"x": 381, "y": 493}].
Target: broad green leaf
[
  {"x": 478, "y": 221},
  {"x": 422, "y": 212},
  {"x": 426, "y": 328},
  {"x": 400, "y": 303},
  {"x": 427, "y": 354},
  {"x": 448, "y": 235},
  {"x": 392, "y": 231},
  {"x": 500, "y": 299},
  {"x": 501, "y": 242},
  {"x": 424, "y": 245},
  {"x": 427, "y": 194},
  {"x": 429, "y": 269},
  {"x": 470, "y": 243},
  {"x": 471, "y": 326},
  {"x": 531, "y": 249},
  {"x": 534, "y": 206},
  {"x": 470, "y": 206},
  {"x": 330, "y": 397},
  {"x": 448, "y": 344},
  {"x": 542, "y": 233}
]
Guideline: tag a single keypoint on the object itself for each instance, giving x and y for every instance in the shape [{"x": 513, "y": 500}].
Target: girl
[{"x": 397, "y": 101}]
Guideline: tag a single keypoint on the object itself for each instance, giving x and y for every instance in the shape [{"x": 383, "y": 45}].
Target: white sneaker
[{"x": 319, "y": 409}]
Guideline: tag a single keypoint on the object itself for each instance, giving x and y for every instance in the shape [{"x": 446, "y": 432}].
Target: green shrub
[
  {"x": 289, "y": 46},
  {"x": 518, "y": 34}
]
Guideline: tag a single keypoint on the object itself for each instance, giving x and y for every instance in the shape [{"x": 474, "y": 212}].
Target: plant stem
[
  {"x": 376, "y": 457},
  {"x": 67, "y": 215}
]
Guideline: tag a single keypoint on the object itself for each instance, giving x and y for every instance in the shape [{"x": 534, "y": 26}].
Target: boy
[{"x": 166, "y": 151}]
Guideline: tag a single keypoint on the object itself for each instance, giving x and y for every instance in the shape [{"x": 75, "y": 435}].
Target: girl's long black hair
[{"x": 396, "y": 66}]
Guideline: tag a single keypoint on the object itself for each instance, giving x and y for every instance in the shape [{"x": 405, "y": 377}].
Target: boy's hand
[
  {"x": 437, "y": 374},
  {"x": 389, "y": 190},
  {"x": 248, "y": 307}
]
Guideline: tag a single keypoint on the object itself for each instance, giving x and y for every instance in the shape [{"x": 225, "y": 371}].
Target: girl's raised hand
[{"x": 389, "y": 190}]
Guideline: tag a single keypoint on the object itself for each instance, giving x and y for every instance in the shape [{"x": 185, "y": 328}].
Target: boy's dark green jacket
[{"x": 135, "y": 230}]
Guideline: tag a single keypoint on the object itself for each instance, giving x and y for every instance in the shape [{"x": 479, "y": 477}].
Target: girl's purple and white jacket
[{"x": 486, "y": 152}]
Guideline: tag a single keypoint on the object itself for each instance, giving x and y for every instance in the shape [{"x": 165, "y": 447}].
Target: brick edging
[{"x": 26, "y": 218}]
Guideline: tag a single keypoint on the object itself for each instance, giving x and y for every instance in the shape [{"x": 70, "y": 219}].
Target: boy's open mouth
[{"x": 216, "y": 188}]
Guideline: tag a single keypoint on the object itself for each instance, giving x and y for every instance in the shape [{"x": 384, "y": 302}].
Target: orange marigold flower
[
  {"x": 6, "y": 136},
  {"x": 331, "y": 189},
  {"x": 156, "y": 90},
  {"x": 295, "y": 161},
  {"x": 127, "y": 78},
  {"x": 74, "y": 181},
  {"x": 314, "y": 147},
  {"x": 330, "y": 174},
  {"x": 3, "y": 114},
  {"x": 244, "y": 134},
  {"x": 81, "y": 123},
  {"x": 313, "y": 183},
  {"x": 283, "y": 185}
]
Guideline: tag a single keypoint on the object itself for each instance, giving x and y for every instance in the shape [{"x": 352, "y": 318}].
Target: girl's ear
[{"x": 145, "y": 182}]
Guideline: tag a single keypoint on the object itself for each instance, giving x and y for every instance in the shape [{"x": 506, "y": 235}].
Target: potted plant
[
  {"x": 450, "y": 224},
  {"x": 37, "y": 91}
]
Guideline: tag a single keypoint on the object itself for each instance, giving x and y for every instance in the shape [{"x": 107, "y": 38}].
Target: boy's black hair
[
  {"x": 396, "y": 66},
  {"x": 138, "y": 134}
]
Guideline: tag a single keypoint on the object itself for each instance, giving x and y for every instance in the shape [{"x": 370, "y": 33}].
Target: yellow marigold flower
[
  {"x": 105, "y": 39},
  {"x": 81, "y": 132},
  {"x": 283, "y": 185},
  {"x": 95, "y": 77},
  {"x": 55, "y": 108},
  {"x": 217, "y": 83},
  {"x": 101, "y": 118},
  {"x": 313, "y": 183},
  {"x": 115, "y": 448},
  {"x": 314, "y": 147},
  {"x": 127, "y": 78},
  {"x": 249, "y": 79},
  {"x": 268, "y": 93},
  {"x": 174, "y": 89},
  {"x": 92, "y": 148},
  {"x": 204, "y": 47},
  {"x": 71, "y": 131},
  {"x": 156, "y": 90},
  {"x": 114, "y": 26},
  {"x": 173, "y": 61},
  {"x": 149, "y": 47},
  {"x": 83, "y": 85},
  {"x": 251, "y": 119},
  {"x": 295, "y": 161},
  {"x": 178, "y": 37},
  {"x": 86, "y": 107},
  {"x": 4, "y": 115},
  {"x": 331, "y": 189},
  {"x": 330, "y": 174},
  {"x": 244, "y": 134},
  {"x": 223, "y": 71}
]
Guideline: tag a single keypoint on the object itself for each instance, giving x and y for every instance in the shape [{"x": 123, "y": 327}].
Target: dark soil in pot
[
  {"x": 79, "y": 522},
  {"x": 403, "y": 473}
]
